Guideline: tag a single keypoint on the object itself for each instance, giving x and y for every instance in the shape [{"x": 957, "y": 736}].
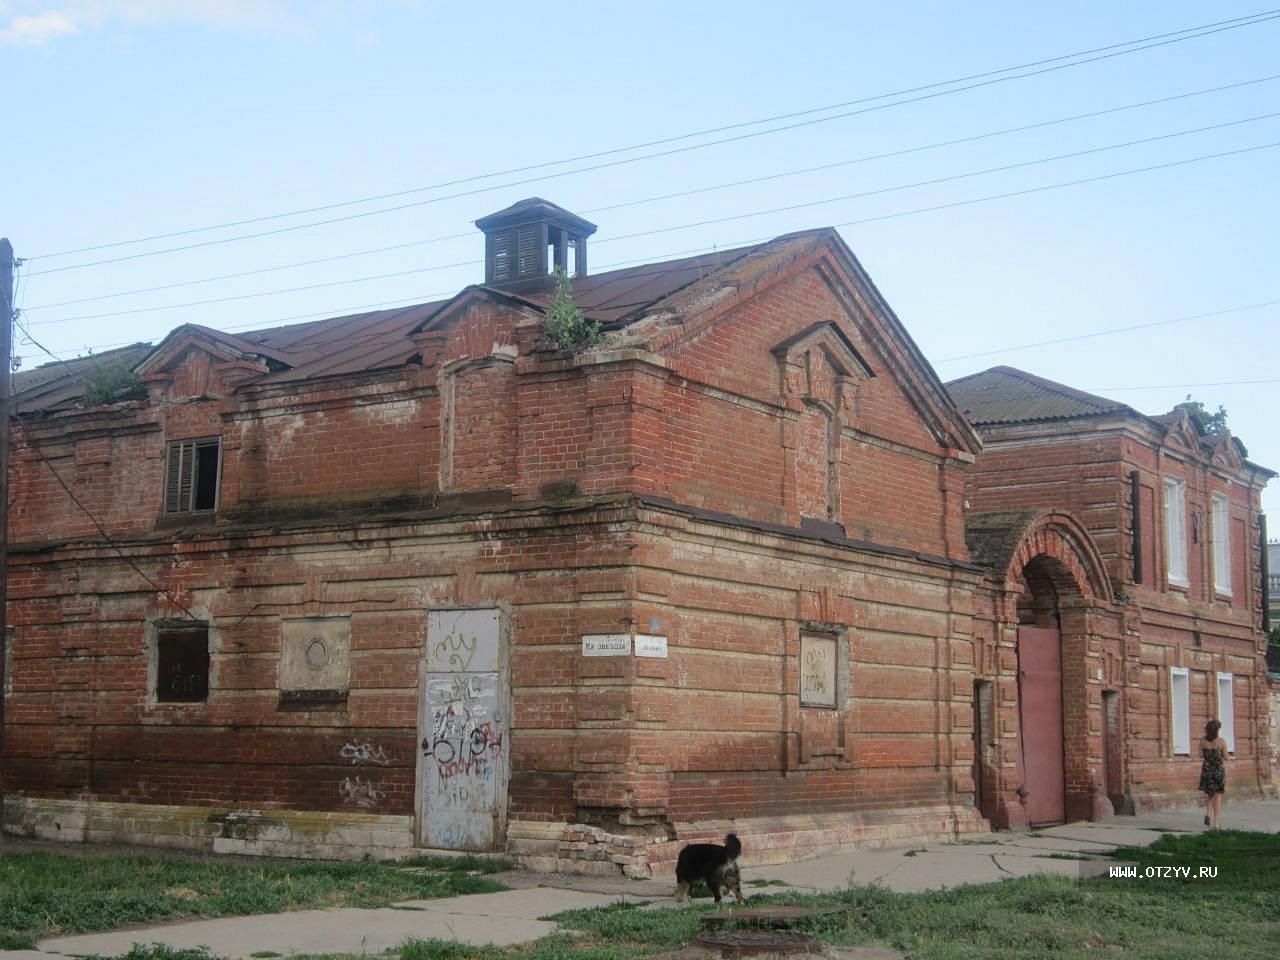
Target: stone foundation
[
  {"x": 269, "y": 833},
  {"x": 587, "y": 849}
]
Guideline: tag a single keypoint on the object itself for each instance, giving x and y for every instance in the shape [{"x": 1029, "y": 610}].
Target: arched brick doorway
[{"x": 1048, "y": 586}]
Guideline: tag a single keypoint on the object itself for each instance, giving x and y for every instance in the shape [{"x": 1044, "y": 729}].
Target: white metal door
[{"x": 466, "y": 742}]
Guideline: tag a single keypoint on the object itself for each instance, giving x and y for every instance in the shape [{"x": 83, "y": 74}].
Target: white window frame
[
  {"x": 1227, "y": 710},
  {"x": 1221, "y": 544},
  {"x": 1175, "y": 531},
  {"x": 1180, "y": 711}
]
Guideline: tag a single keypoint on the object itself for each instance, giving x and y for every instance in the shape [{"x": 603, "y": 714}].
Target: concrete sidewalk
[{"x": 512, "y": 916}]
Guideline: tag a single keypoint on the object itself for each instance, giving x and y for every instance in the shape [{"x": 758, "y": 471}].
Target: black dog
[{"x": 714, "y": 865}]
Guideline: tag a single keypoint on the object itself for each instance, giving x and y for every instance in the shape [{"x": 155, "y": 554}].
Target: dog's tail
[{"x": 732, "y": 846}]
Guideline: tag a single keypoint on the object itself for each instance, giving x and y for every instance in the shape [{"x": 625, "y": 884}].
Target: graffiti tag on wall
[
  {"x": 361, "y": 792},
  {"x": 358, "y": 754}
]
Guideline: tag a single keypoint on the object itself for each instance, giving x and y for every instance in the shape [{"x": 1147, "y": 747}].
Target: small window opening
[
  {"x": 571, "y": 259},
  {"x": 191, "y": 475},
  {"x": 182, "y": 664}
]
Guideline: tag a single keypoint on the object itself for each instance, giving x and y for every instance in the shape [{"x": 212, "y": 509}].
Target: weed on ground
[
  {"x": 1169, "y": 910},
  {"x": 48, "y": 893}
]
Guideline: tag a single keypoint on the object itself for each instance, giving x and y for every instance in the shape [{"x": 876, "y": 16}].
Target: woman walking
[{"x": 1213, "y": 773}]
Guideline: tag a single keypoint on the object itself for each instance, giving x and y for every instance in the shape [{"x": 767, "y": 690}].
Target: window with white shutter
[
  {"x": 1175, "y": 530},
  {"x": 191, "y": 473},
  {"x": 1180, "y": 710},
  {"x": 1227, "y": 711},
  {"x": 1221, "y": 545}
]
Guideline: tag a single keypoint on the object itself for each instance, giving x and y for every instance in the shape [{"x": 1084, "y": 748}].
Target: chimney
[{"x": 529, "y": 242}]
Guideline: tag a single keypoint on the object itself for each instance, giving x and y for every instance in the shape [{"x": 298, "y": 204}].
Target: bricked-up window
[
  {"x": 182, "y": 663},
  {"x": 1175, "y": 530},
  {"x": 818, "y": 665},
  {"x": 1221, "y": 546},
  {"x": 191, "y": 475}
]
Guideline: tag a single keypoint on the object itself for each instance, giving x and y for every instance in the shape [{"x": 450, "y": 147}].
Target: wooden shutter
[
  {"x": 527, "y": 251},
  {"x": 179, "y": 472},
  {"x": 502, "y": 256}
]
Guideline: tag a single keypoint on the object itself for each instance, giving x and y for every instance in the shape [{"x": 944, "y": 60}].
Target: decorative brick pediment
[
  {"x": 1182, "y": 435},
  {"x": 197, "y": 361},
  {"x": 819, "y": 364},
  {"x": 1225, "y": 452}
]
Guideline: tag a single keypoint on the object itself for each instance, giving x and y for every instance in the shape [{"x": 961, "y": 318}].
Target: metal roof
[
  {"x": 60, "y": 384},
  {"x": 1008, "y": 395},
  {"x": 380, "y": 339}
]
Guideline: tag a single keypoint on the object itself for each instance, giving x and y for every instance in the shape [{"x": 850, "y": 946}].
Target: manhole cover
[{"x": 754, "y": 943}]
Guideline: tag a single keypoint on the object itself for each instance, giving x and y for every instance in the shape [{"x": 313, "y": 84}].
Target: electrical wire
[
  {"x": 31, "y": 442},
  {"x": 743, "y": 216},
  {"x": 1230, "y": 25},
  {"x": 1112, "y": 330},
  {"x": 672, "y": 196},
  {"x": 1184, "y": 386}
]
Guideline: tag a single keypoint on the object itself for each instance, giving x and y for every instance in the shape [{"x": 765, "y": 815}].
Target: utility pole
[{"x": 6, "y": 367}]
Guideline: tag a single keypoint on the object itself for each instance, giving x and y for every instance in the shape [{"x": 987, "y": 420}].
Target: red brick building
[
  {"x": 420, "y": 578},
  {"x": 1127, "y": 548}
]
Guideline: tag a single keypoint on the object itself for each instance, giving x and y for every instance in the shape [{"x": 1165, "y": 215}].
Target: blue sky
[{"x": 131, "y": 118}]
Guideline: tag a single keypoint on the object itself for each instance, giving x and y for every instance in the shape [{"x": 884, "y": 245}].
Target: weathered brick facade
[
  {"x": 757, "y": 468},
  {"x": 1128, "y": 623}
]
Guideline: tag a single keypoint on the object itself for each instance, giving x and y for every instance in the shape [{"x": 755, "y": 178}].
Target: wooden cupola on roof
[{"x": 529, "y": 242}]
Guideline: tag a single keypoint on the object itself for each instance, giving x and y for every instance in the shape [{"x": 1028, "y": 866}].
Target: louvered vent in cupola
[{"x": 528, "y": 243}]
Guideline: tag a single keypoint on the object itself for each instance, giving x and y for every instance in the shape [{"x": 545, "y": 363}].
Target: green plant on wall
[
  {"x": 111, "y": 383},
  {"x": 567, "y": 325}
]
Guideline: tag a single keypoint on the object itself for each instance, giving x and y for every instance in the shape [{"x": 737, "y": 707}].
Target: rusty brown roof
[
  {"x": 1008, "y": 395},
  {"x": 618, "y": 296},
  {"x": 380, "y": 339},
  {"x": 60, "y": 384}
]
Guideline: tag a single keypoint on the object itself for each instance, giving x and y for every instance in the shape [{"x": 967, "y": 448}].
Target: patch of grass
[
  {"x": 766, "y": 883},
  {"x": 48, "y": 893},
  {"x": 1235, "y": 915},
  {"x": 624, "y": 924}
]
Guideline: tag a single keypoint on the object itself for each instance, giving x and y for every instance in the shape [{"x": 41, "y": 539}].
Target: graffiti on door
[{"x": 464, "y": 746}]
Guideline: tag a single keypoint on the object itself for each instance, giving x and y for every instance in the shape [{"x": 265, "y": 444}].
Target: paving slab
[
  {"x": 834, "y": 872},
  {"x": 924, "y": 872},
  {"x": 501, "y": 919},
  {"x": 1040, "y": 845},
  {"x": 532, "y": 903},
  {"x": 1109, "y": 836}
]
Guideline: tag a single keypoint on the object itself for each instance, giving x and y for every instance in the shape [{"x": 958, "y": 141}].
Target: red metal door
[{"x": 1040, "y": 703}]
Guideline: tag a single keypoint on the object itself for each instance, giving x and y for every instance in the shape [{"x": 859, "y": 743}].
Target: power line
[
  {"x": 1113, "y": 330},
  {"x": 743, "y": 216},
  {"x": 685, "y": 193},
  {"x": 937, "y": 180},
  {"x": 1177, "y": 37},
  {"x": 1185, "y": 386}
]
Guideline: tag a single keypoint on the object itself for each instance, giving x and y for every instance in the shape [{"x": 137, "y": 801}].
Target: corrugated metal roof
[{"x": 1009, "y": 395}]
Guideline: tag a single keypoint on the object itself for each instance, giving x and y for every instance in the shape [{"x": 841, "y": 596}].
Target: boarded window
[
  {"x": 182, "y": 663},
  {"x": 191, "y": 475},
  {"x": 818, "y": 656},
  {"x": 1180, "y": 710},
  {"x": 1227, "y": 711}
]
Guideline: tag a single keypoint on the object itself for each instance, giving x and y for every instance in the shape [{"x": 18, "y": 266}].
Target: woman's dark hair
[{"x": 1211, "y": 729}]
